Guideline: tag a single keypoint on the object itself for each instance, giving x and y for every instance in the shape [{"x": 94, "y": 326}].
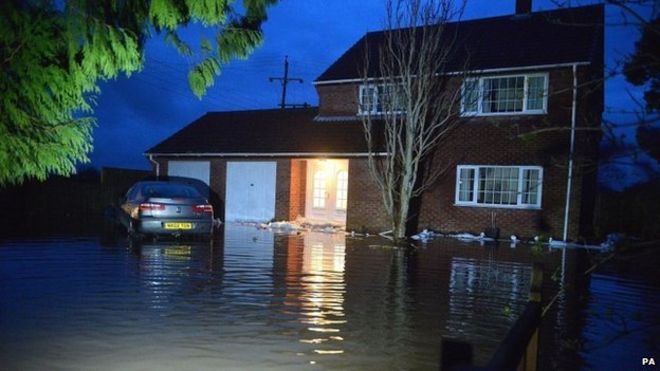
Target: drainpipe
[
  {"x": 151, "y": 159},
  {"x": 569, "y": 181}
]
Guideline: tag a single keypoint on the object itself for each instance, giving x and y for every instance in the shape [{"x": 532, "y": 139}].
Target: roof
[
  {"x": 565, "y": 35},
  {"x": 269, "y": 132}
]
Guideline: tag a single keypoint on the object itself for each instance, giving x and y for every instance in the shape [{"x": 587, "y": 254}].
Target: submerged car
[{"x": 165, "y": 208}]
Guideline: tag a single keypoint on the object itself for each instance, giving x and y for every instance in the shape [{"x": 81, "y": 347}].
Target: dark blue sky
[{"x": 137, "y": 113}]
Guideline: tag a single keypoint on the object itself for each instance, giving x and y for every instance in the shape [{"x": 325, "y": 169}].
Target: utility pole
[{"x": 284, "y": 81}]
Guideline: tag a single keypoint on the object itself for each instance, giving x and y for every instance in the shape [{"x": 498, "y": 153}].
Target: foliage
[
  {"x": 54, "y": 55},
  {"x": 643, "y": 67},
  {"x": 648, "y": 138},
  {"x": 634, "y": 211}
]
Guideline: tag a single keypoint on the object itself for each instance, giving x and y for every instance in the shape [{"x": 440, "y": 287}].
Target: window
[
  {"x": 505, "y": 95},
  {"x": 500, "y": 186},
  {"x": 318, "y": 196},
  {"x": 376, "y": 99},
  {"x": 342, "y": 190}
]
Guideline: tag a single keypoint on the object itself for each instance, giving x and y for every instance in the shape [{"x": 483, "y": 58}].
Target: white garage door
[
  {"x": 250, "y": 191},
  {"x": 192, "y": 169}
]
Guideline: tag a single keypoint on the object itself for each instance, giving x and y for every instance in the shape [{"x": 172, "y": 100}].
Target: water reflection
[
  {"x": 170, "y": 270},
  {"x": 314, "y": 286},
  {"x": 477, "y": 288},
  {"x": 323, "y": 288},
  {"x": 251, "y": 299}
]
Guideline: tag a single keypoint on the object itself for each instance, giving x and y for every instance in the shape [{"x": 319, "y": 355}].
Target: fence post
[
  {"x": 535, "y": 295},
  {"x": 536, "y": 285}
]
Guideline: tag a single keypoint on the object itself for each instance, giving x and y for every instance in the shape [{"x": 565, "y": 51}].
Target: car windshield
[{"x": 168, "y": 191}]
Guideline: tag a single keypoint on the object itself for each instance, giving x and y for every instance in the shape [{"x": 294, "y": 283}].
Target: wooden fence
[
  {"x": 519, "y": 349},
  {"x": 63, "y": 205}
]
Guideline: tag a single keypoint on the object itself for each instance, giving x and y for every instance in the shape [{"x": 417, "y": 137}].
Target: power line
[{"x": 285, "y": 81}]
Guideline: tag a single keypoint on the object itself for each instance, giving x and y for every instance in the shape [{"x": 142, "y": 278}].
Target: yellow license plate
[{"x": 178, "y": 225}]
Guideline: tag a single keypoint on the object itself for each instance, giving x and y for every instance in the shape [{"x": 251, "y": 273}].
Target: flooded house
[{"x": 530, "y": 112}]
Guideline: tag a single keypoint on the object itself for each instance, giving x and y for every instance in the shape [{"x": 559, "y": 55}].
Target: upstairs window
[
  {"x": 499, "y": 186},
  {"x": 505, "y": 95},
  {"x": 379, "y": 99}
]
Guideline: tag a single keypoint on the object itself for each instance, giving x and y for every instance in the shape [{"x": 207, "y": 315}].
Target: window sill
[
  {"x": 380, "y": 113},
  {"x": 495, "y": 114},
  {"x": 511, "y": 207}
]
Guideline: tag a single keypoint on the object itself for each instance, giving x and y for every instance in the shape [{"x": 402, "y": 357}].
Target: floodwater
[{"x": 252, "y": 299}]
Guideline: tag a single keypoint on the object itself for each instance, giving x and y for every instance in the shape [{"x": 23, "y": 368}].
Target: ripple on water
[{"x": 250, "y": 299}]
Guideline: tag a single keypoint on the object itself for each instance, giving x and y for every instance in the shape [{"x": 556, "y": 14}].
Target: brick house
[{"x": 528, "y": 72}]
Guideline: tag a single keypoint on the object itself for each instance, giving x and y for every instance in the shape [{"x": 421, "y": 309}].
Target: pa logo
[{"x": 648, "y": 361}]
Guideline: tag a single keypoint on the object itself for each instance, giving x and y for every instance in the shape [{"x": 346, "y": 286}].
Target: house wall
[
  {"x": 297, "y": 188},
  {"x": 365, "y": 210},
  {"x": 494, "y": 140},
  {"x": 289, "y": 183},
  {"x": 338, "y": 99}
]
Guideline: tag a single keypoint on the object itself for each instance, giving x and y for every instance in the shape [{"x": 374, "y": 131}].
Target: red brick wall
[
  {"x": 498, "y": 141},
  {"x": 338, "y": 100},
  {"x": 283, "y": 189},
  {"x": 491, "y": 141},
  {"x": 218, "y": 185},
  {"x": 365, "y": 204},
  {"x": 298, "y": 185}
]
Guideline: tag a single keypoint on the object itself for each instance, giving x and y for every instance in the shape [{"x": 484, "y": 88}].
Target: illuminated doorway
[{"x": 327, "y": 191}]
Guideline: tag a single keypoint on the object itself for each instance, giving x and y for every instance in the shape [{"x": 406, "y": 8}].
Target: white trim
[
  {"x": 338, "y": 189},
  {"x": 376, "y": 98},
  {"x": 496, "y": 206},
  {"x": 319, "y": 183},
  {"x": 257, "y": 154},
  {"x": 523, "y": 68},
  {"x": 480, "y": 98},
  {"x": 569, "y": 180},
  {"x": 487, "y": 70},
  {"x": 475, "y": 187},
  {"x": 151, "y": 159}
]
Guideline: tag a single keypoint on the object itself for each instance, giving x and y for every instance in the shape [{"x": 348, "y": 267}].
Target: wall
[
  {"x": 298, "y": 183},
  {"x": 338, "y": 99},
  {"x": 365, "y": 210},
  {"x": 289, "y": 183},
  {"x": 497, "y": 140},
  {"x": 64, "y": 205}
]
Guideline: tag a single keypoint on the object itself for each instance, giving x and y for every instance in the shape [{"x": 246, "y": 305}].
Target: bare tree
[{"x": 407, "y": 92}]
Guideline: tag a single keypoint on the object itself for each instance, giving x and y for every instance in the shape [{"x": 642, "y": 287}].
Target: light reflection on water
[
  {"x": 323, "y": 288},
  {"x": 253, "y": 300}
]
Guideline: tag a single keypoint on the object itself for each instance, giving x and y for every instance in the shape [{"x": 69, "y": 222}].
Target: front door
[{"x": 327, "y": 191}]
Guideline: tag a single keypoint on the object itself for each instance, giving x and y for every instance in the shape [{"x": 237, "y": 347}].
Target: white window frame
[
  {"x": 319, "y": 184},
  {"x": 525, "y": 111},
  {"x": 375, "y": 98},
  {"x": 475, "y": 187},
  {"x": 341, "y": 192}
]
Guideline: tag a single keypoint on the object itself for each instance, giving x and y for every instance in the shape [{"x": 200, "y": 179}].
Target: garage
[
  {"x": 190, "y": 169},
  {"x": 199, "y": 170},
  {"x": 250, "y": 193}
]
